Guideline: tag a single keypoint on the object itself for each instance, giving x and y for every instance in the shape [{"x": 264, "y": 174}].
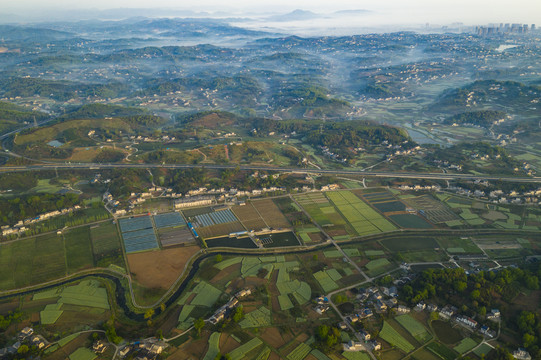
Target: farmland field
[
  {"x": 249, "y": 217},
  {"x": 465, "y": 345},
  {"x": 410, "y": 221},
  {"x": 320, "y": 209},
  {"x": 279, "y": 239},
  {"x": 415, "y": 328},
  {"x": 245, "y": 348},
  {"x": 214, "y": 346},
  {"x": 405, "y": 243},
  {"x": 104, "y": 239},
  {"x": 226, "y": 241},
  {"x": 159, "y": 269},
  {"x": 32, "y": 261},
  {"x": 271, "y": 214},
  {"x": 218, "y": 230},
  {"x": 362, "y": 218},
  {"x": 390, "y": 335},
  {"x": 483, "y": 349},
  {"x": 82, "y": 353},
  {"x": 78, "y": 249},
  {"x": 257, "y": 318},
  {"x": 441, "y": 350},
  {"x": 175, "y": 236},
  {"x": 325, "y": 281},
  {"x": 434, "y": 210},
  {"x": 445, "y": 332}
]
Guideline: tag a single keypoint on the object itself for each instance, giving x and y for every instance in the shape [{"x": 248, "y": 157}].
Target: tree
[
  {"x": 239, "y": 314},
  {"x": 149, "y": 313},
  {"x": 198, "y": 325},
  {"x": 315, "y": 257},
  {"x": 219, "y": 258},
  {"x": 23, "y": 349}
]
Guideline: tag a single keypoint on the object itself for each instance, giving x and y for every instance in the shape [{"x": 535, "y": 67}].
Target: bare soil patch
[{"x": 160, "y": 269}]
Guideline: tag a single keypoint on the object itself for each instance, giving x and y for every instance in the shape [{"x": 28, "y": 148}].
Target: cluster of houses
[
  {"x": 322, "y": 305},
  {"x": 331, "y": 155},
  {"x": 148, "y": 349},
  {"x": 499, "y": 196},
  {"x": 25, "y": 337},
  {"x": 226, "y": 309},
  {"x": 447, "y": 165},
  {"x": 20, "y": 227},
  {"x": 163, "y": 138},
  {"x": 449, "y": 312}
]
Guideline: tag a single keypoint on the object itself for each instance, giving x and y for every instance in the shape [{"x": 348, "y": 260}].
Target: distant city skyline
[{"x": 383, "y": 12}]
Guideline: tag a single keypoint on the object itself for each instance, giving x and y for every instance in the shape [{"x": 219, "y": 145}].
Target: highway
[{"x": 382, "y": 174}]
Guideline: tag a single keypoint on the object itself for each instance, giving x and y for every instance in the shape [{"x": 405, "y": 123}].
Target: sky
[{"x": 382, "y": 11}]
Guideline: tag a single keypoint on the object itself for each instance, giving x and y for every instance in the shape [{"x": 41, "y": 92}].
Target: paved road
[{"x": 382, "y": 174}]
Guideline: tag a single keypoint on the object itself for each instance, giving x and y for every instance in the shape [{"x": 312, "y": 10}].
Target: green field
[
  {"x": 78, "y": 249},
  {"x": 257, "y": 318},
  {"x": 376, "y": 264},
  {"x": 32, "y": 261},
  {"x": 355, "y": 355},
  {"x": 207, "y": 294},
  {"x": 285, "y": 303},
  {"x": 390, "y": 335},
  {"x": 300, "y": 352},
  {"x": 465, "y": 345},
  {"x": 105, "y": 239},
  {"x": 410, "y": 221},
  {"x": 415, "y": 328},
  {"x": 82, "y": 353},
  {"x": 242, "y": 350},
  {"x": 409, "y": 244},
  {"x": 483, "y": 349},
  {"x": 458, "y": 245},
  {"x": 325, "y": 281},
  {"x": 214, "y": 346},
  {"x": 361, "y": 217},
  {"x": 441, "y": 350}
]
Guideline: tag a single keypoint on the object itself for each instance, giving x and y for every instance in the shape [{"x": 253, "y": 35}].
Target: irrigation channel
[{"x": 120, "y": 293}]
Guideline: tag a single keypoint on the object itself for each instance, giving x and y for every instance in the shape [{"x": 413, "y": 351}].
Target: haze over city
[{"x": 373, "y": 14}]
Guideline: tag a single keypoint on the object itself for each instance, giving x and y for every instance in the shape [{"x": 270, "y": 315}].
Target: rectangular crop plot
[
  {"x": 300, "y": 352},
  {"x": 78, "y": 249},
  {"x": 207, "y": 294},
  {"x": 257, "y": 318},
  {"x": 105, "y": 239},
  {"x": 240, "y": 352},
  {"x": 434, "y": 210},
  {"x": 359, "y": 214},
  {"x": 326, "y": 282},
  {"x": 390, "y": 335},
  {"x": 134, "y": 224},
  {"x": 271, "y": 214},
  {"x": 465, "y": 345},
  {"x": 249, "y": 217},
  {"x": 415, "y": 328},
  {"x": 410, "y": 221},
  {"x": 175, "y": 236},
  {"x": 409, "y": 243},
  {"x": 441, "y": 350},
  {"x": 173, "y": 219}
]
